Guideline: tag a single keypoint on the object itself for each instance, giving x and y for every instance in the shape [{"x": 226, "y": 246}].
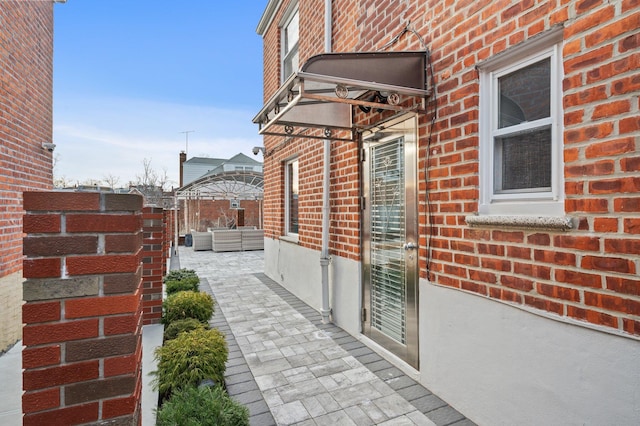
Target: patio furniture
[
  {"x": 226, "y": 240},
  {"x": 252, "y": 239},
  {"x": 201, "y": 241}
]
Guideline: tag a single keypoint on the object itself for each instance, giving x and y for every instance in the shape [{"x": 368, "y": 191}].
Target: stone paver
[{"x": 290, "y": 369}]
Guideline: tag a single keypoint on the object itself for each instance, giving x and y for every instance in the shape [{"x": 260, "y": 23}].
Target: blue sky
[{"x": 129, "y": 76}]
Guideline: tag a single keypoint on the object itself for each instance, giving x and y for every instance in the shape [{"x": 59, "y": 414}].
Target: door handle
[{"x": 409, "y": 246}]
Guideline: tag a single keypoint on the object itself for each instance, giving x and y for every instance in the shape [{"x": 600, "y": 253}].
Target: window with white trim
[
  {"x": 290, "y": 33},
  {"x": 521, "y": 133},
  {"x": 291, "y": 198}
]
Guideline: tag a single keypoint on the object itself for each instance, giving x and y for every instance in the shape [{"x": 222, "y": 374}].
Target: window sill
[
  {"x": 289, "y": 239},
  {"x": 549, "y": 223}
]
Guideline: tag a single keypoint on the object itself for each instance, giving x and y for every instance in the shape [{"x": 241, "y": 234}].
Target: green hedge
[
  {"x": 192, "y": 353},
  {"x": 202, "y": 406},
  {"x": 180, "y": 326},
  {"x": 188, "y": 359},
  {"x": 181, "y": 280},
  {"x": 180, "y": 274},
  {"x": 186, "y": 284},
  {"x": 187, "y": 304}
]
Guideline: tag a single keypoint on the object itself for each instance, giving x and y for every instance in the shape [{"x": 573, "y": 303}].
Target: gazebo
[{"x": 219, "y": 200}]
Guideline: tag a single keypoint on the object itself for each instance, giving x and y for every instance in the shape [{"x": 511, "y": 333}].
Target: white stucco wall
[
  {"x": 298, "y": 270},
  {"x": 295, "y": 268},
  {"x": 495, "y": 363},
  {"x": 500, "y": 365},
  {"x": 346, "y": 293}
]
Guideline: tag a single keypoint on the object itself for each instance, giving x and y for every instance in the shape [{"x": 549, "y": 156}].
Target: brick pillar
[
  {"x": 165, "y": 242},
  {"x": 153, "y": 260},
  {"x": 168, "y": 237},
  {"x": 83, "y": 308}
]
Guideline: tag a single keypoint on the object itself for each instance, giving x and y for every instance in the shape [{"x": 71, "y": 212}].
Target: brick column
[
  {"x": 169, "y": 222},
  {"x": 82, "y": 312},
  {"x": 154, "y": 264}
]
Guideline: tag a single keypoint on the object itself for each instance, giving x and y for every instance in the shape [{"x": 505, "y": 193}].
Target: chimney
[{"x": 183, "y": 158}]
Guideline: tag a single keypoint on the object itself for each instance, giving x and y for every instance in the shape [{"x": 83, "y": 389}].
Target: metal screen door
[{"x": 390, "y": 235}]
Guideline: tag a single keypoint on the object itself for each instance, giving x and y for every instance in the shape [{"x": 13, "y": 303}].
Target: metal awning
[
  {"x": 322, "y": 93},
  {"x": 233, "y": 185}
]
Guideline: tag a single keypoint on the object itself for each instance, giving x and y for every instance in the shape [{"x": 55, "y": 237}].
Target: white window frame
[
  {"x": 287, "y": 198},
  {"x": 287, "y": 54},
  {"x": 528, "y": 203}
]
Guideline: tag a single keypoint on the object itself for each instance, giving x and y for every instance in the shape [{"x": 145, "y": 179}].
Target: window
[
  {"x": 291, "y": 198},
  {"x": 520, "y": 133},
  {"x": 290, "y": 32}
]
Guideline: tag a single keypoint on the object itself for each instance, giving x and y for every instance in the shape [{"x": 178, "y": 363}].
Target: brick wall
[
  {"x": 26, "y": 48},
  {"x": 153, "y": 263},
  {"x": 83, "y": 308},
  {"x": 169, "y": 236},
  {"x": 203, "y": 214},
  {"x": 587, "y": 274},
  {"x": 345, "y": 217}
]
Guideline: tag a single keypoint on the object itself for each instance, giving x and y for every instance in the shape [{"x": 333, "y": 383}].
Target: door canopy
[{"x": 322, "y": 93}]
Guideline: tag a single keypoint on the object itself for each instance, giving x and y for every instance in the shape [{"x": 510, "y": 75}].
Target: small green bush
[
  {"x": 180, "y": 274},
  {"x": 187, "y": 304},
  {"x": 180, "y": 326},
  {"x": 190, "y": 358},
  {"x": 185, "y": 284},
  {"x": 202, "y": 406}
]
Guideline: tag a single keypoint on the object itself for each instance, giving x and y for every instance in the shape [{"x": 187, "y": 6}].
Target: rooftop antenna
[{"x": 186, "y": 134}]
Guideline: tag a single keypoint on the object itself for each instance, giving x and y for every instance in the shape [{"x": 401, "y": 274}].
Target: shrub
[
  {"x": 187, "y": 304},
  {"x": 180, "y": 326},
  {"x": 181, "y": 280},
  {"x": 185, "y": 284},
  {"x": 206, "y": 406},
  {"x": 180, "y": 274},
  {"x": 190, "y": 358}
]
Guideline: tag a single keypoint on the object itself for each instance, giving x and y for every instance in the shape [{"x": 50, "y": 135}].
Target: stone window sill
[
  {"x": 289, "y": 238},
  {"x": 549, "y": 223}
]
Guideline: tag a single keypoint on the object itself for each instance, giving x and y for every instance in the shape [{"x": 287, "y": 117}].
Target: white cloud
[{"x": 109, "y": 136}]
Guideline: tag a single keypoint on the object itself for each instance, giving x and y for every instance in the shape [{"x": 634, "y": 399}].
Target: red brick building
[
  {"x": 26, "y": 69},
  {"x": 458, "y": 184}
]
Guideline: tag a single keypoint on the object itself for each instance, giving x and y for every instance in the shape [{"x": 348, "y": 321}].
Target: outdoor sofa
[{"x": 219, "y": 240}]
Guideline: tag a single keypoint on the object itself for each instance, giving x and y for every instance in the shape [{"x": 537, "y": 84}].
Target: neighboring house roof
[
  {"x": 215, "y": 171},
  {"x": 199, "y": 167},
  {"x": 196, "y": 167},
  {"x": 214, "y": 162},
  {"x": 237, "y": 160},
  {"x": 241, "y": 159}
]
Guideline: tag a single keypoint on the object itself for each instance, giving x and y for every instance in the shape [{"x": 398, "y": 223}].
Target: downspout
[
  {"x": 327, "y": 26},
  {"x": 326, "y": 185}
]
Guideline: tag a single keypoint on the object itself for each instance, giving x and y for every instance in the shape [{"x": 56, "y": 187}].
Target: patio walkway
[{"x": 290, "y": 369}]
